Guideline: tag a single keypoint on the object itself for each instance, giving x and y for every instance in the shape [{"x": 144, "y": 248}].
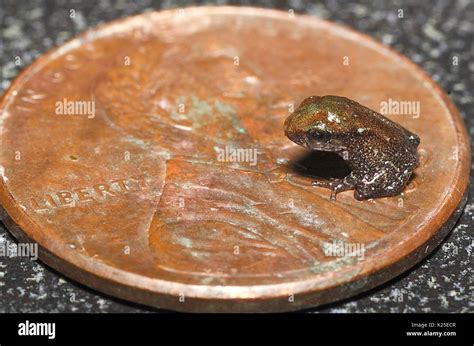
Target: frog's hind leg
[{"x": 336, "y": 185}]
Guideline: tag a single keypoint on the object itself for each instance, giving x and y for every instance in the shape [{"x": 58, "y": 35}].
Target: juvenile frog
[{"x": 380, "y": 153}]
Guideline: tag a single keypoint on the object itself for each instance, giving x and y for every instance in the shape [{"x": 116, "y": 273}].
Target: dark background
[{"x": 430, "y": 34}]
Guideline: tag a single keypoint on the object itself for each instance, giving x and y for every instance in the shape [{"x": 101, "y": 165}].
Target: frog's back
[
  {"x": 383, "y": 127},
  {"x": 386, "y": 161}
]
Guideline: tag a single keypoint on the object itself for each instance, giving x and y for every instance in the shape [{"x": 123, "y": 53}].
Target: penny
[{"x": 147, "y": 159}]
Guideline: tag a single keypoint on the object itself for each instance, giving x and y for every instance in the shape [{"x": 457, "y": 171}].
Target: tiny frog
[{"x": 380, "y": 153}]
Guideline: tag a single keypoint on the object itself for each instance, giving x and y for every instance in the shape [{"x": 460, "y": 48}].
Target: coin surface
[{"x": 147, "y": 159}]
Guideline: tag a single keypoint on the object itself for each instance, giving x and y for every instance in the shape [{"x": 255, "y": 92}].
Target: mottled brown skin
[{"x": 381, "y": 153}]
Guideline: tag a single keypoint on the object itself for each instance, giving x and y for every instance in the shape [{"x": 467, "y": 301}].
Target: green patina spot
[
  {"x": 186, "y": 242},
  {"x": 201, "y": 113}
]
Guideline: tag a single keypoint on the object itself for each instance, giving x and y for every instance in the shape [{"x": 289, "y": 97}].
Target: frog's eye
[{"x": 320, "y": 135}]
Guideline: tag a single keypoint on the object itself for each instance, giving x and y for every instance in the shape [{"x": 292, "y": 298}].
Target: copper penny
[{"x": 147, "y": 159}]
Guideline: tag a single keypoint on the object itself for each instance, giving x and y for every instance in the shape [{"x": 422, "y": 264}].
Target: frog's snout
[
  {"x": 290, "y": 131},
  {"x": 295, "y": 136},
  {"x": 293, "y": 130}
]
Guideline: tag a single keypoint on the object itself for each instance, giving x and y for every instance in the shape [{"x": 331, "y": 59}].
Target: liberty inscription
[{"x": 95, "y": 193}]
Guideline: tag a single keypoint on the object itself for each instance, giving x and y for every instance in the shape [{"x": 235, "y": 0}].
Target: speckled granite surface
[{"x": 431, "y": 33}]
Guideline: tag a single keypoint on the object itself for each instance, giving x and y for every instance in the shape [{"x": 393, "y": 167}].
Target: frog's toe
[
  {"x": 322, "y": 183},
  {"x": 358, "y": 196}
]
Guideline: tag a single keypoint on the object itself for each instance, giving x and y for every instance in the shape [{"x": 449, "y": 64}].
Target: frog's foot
[{"x": 336, "y": 185}]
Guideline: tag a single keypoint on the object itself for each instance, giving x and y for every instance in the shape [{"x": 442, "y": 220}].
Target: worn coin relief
[{"x": 211, "y": 209}]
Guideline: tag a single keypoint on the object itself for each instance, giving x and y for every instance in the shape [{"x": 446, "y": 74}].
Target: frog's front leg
[{"x": 337, "y": 185}]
